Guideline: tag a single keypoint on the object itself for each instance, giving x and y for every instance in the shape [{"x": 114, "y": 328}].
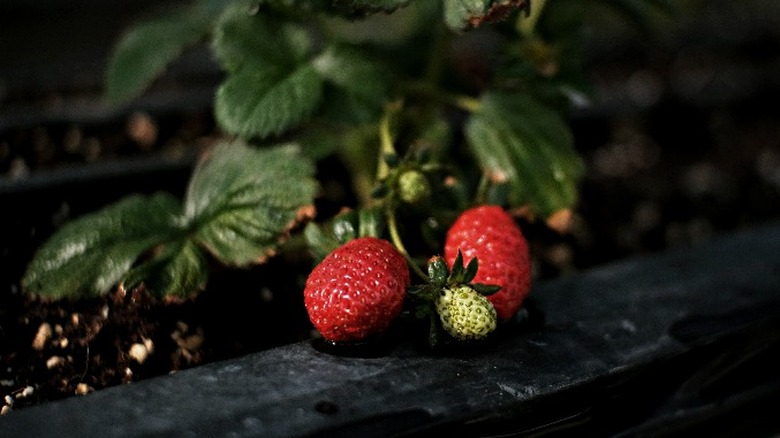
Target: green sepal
[
  {"x": 438, "y": 272},
  {"x": 370, "y": 222},
  {"x": 485, "y": 289},
  {"x": 319, "y": 242},
  {"x": 345, "y": 226},
  {"x": 322, "y": 239},
  {"x": 381, "y": 190},
  {"x": 458, "y": 271},
  {"x": 471, "y": 270},
  {"x": 424, "y": 294},
  {"x": 391, "y": 160}
]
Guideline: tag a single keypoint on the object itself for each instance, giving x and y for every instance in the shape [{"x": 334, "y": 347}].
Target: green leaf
[
  {"x": 89, "y": 255},
  {"x": 143, "y": 53},
  {"x": 178, "y": 269},
  {"x": 360, "y": 84},
  {"x": 528, "y": 145},
  {"x": 465, "y": 14},
  {"x": 458, "y": 12},
  {"x": 271, "y": 85},
  {"x": 319, "y": 242},
  {"x": 259, "y": 102},
  {"x": 244, "y": 37},
  {"x": 242, "y": 201}
]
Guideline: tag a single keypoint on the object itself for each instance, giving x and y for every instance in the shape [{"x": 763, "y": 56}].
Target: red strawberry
[
  {"x": 489, "y": 233},
  {"x": 357, "y": 290}
]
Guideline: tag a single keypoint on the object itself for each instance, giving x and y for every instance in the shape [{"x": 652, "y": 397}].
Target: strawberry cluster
[{"x": 357, "y": 291}]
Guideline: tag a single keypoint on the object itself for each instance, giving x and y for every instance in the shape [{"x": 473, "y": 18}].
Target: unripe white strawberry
[{"x": 465, "y": 314}]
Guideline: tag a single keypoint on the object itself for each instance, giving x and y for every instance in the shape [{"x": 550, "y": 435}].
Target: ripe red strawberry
[
  {"x": 489, "y": 233},
  {"x": 357, "y": 290}
]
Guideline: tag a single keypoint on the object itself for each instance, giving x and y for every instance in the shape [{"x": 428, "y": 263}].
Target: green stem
[
  {"x": 527, "y": 25},
  {"x": 395, "y": 237},
  {"x": 427, "y": 90},
  {"x": 386, "y": 139},
  {"x": 468, "y": 103},
  {"x": 480, "y": 197}
]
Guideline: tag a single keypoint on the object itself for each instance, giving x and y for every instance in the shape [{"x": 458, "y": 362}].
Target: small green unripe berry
[
  {"x": 465, "y": 314},
  {"x": 413, "y": 187}
]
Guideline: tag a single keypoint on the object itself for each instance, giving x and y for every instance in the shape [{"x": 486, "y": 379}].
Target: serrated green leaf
[
  {"x": 242, "y": 201},
  {"x": 271, "y": 85},
  {"x": 465, "y": 14},
  {"x": 243, "y": 37},
  {"x": 90, "y": 254},
  {"x": 458, "y": 12},
  {"x": 526, "y": 144},
  {"x": 144, "y": 52},
  {"x": 261, "y": 101},
  {"x": 360, "y": 84},
  {"x": 179, "y": 269}
]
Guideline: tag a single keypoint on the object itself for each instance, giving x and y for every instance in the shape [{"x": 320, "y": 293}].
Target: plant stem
[
  {"x": 470, "y": 104},
  {"x": 527, "y": 25},
  {"x": 467, "y": 103},
  {"x": 480, "y": 197},
  {"x": 386, "y": 139},
  {"x": 395, "y": 237},
  {"x": 383, "y": 170}
]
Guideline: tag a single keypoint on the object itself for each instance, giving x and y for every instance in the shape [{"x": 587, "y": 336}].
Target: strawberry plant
[{"x": 432, "y": 106}]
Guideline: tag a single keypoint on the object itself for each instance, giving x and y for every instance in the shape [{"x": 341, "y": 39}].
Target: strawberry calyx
[{"x": 407, "y": 179}]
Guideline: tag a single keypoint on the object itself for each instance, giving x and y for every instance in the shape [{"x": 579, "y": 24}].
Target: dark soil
[{"x": 667, "y": 167}]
